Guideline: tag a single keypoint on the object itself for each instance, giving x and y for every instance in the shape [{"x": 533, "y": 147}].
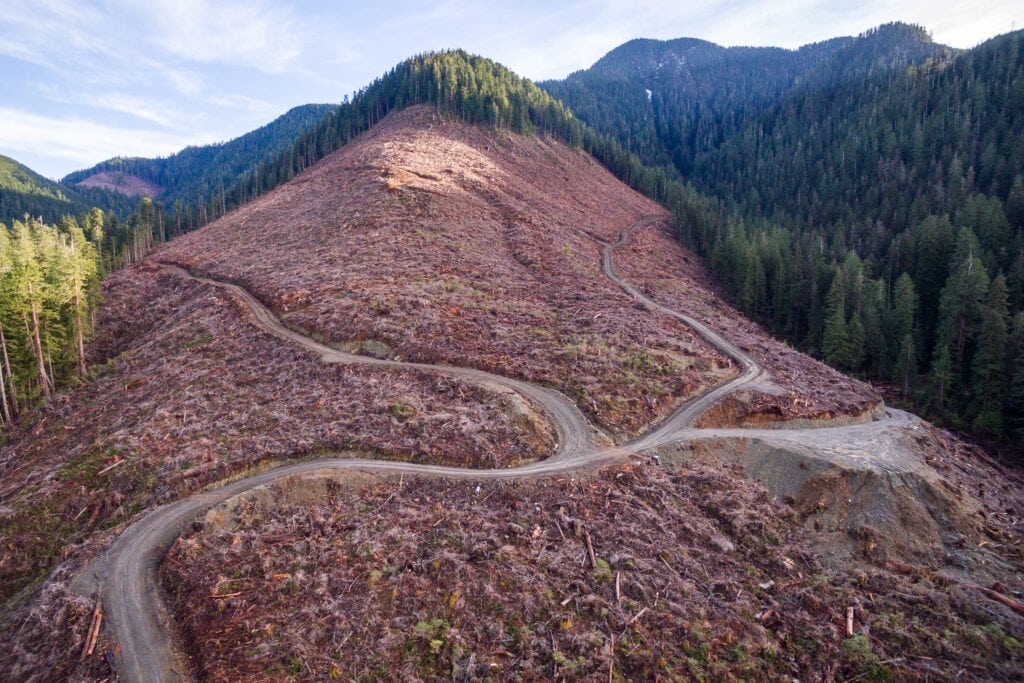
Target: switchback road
[{"x": 129, "y": 574}]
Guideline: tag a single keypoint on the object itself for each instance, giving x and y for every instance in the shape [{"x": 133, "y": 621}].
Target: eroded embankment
[{"x": 862, "y": 494}]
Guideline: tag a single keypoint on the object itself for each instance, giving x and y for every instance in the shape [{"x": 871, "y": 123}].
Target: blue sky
[{"x": 85, "y": 80}]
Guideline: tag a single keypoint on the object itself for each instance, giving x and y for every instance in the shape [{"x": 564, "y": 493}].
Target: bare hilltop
[{"x": 454, "y": 403}]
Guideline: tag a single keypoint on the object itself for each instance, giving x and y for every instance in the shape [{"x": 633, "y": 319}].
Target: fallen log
[
  {"x": 92, "y": 633},
  {"x": 1006, "y": 600}
]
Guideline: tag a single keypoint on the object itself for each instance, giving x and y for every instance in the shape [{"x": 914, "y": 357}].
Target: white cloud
[
  {"x": 30, "y": 31},
  {"x": 964, "y": 24},
  {"x": 251, "y": 34},
  {"x": 250, "y": 105},
  {"x": 81, "y": 141},
  {"x": 156, "y": 111}
]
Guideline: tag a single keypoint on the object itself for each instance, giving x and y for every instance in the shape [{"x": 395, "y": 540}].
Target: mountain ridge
[
  {"x": 221, "y": 164},
  {"x": 23, "y": 191},
  {"x": 432, "y": 240}
]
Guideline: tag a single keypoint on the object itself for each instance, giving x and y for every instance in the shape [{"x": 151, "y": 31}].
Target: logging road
[{"x": 135, "y": 612}]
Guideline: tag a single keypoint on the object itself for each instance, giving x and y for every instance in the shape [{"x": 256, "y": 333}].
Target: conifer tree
[
  {"x": 960, "y": 306},
  {"x": 27, "y": 274},
  {"x": 940, "y": 378},
  {"x": 835, "y": 338},
  {"x": 49, "y": 283},
  {"x": 905, "y": 367},
  {"x": 1014, "y": 405}
]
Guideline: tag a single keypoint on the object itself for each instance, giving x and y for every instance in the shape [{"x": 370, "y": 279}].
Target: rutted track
[{"x": 130, "y": 590}]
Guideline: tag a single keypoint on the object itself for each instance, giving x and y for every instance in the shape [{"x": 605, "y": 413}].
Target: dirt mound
[
  {"x": 876, "y": 495},
  {"x": 126, "y": 184}
]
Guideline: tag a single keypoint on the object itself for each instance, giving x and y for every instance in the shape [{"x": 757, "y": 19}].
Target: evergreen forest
[
  {"x": 50, "y": 277},
  {"x": 871, "y": 199},
  {"x": 862, "y": 197},
  {"x": 49, "y": 291},
  {"x": 192, "y": 183}
]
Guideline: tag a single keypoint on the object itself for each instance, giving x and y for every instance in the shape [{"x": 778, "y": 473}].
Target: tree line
[
  {"x": 49, "y": 290},
  {"x": 866, "y": 200},
  {"x": 886, "y": 220}
]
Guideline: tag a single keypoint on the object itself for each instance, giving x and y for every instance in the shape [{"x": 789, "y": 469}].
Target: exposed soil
[
  {"x": 693, "y": 575},
  {"x": 874, "y": 494},
  {"x": 126, "y": 184},
  {"x": 433, "y": 240},
  {"x": 801, "y": 388},
  {"x": 194, "y": 393}
]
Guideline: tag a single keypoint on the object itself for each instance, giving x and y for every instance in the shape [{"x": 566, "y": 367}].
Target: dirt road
[{"x": 130, "y": 591}]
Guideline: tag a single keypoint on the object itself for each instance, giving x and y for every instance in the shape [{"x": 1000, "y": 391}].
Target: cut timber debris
[
  {"x": 901, "y": 567},
  {"x": 590, "y": 550},
  {"x": 110, "y": 467},
  {"x": 1015, "y": 605},
  {"x": 93, "y": 633},
  {"x": 419, "y": 594},
  {"x": 637, "y": 616}
]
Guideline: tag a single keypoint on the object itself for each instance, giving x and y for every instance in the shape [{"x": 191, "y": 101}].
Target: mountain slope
[
  {"x": 431, "y": 229},
  {"x": 23, "y": 191},
  {"x": 851, "y": 169},
  {"x": 203, "y": 172},
  {"x": 430, "y": 239}
]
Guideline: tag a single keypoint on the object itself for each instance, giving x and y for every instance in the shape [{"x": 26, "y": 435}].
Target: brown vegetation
[
  {"x": 433, "y": 240},
  {"x": 801, "y": 387},
  {"x": 126, "y": 184},
  {"x": 195, "y": 393},
  {"x": 632, "y": 574},
  {"x": 430, "y": 240}
]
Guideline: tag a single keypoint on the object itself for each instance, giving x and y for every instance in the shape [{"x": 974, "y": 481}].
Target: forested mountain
[
  {"x": 874, "y": 194},
  {"x": 201, "y": 174},
  {"x": 23, "y": 191},
  {"x": 673, "y": 101},
  {"x": 863, "y": 197}
]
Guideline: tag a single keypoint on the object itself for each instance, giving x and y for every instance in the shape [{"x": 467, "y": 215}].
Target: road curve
[
  {"x": 685, "y": 415},
  {"x": 130, "y": 590},
  {"x": 572, "y": 429}
]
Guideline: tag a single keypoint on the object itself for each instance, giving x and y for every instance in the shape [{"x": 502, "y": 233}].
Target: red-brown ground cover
[
  {"x": 133, "y": 186},
  {"x": 451, "y": 243},
  {"x": 632, "y": 574},
  {"x": 803, "y": 387},
  {"x": 445, "y": 242},
  {"x": 195, "y": 392}
]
